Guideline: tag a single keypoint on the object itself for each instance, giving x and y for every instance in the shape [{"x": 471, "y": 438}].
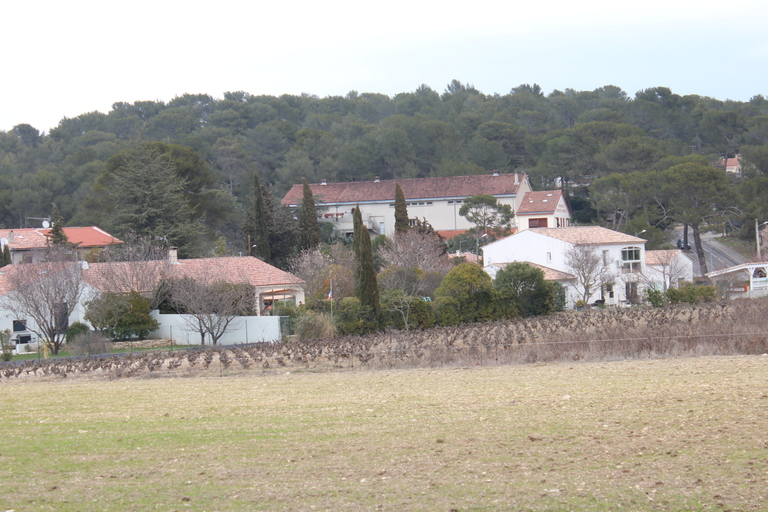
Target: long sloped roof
[
  {"x": 588, "y": 235},
  {"x": 413, "y": 188},
  {"x": 231, "y": 269}
]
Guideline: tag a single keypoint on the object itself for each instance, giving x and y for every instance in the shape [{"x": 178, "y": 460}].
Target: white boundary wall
[{"x": 243, "y": 329}]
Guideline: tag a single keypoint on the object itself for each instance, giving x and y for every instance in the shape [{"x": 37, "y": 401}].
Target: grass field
[{"x": 665, "y": 434}]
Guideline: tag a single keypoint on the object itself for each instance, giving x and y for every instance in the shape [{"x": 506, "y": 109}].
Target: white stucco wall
[
  {"x": 243, "y": 329},
  {"x": 550, "y": 252},
  {"x": 662, "y": 277},
  {"x": 441, "y": 212}
]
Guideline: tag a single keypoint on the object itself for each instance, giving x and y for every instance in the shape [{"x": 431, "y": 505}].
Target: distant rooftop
[{"x": 413, "y": 188}]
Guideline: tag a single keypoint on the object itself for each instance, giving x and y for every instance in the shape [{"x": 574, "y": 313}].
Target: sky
[{"x": 63, "y": 59}]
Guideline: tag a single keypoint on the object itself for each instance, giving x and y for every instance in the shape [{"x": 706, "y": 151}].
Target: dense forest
[{"x": 625, "y": 161}]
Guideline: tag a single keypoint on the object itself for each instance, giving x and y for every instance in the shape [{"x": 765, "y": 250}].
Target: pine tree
[
  {"x": 257, "y": 223},
  {"x": 401, "y": 211},
  {"x": 366, "y": 287},
  {"x": 309, "y": 228},
  {"x": 58, "y": 237}
]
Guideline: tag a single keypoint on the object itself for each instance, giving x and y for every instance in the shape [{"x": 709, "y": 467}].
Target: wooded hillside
[{"x": 97, "y": 167}]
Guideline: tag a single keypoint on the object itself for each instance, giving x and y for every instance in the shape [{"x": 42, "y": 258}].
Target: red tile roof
[
  {"x": 663, "y": 257},
  {"x": 413, "y": 188},
  {"x": 542, "y": 202},
  {"x": 37, "y": 238},
  {"x": 232, "y": 270}
]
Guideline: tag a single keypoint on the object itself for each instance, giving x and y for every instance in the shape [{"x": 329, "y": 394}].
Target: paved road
[{"x": 718, "y": 256}]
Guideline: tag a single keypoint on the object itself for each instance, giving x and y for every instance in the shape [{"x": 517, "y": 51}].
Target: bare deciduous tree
[
  {"x": 210, "y": 303},
  {"x": 46, "y": 293},
  {"x": 417, "y": 250},
  {"x": 585, "y": 262},
  {"x": 318, "y": 268},
  {"x": 402, "y": 287},
  {"x": 138, "y": 265}
]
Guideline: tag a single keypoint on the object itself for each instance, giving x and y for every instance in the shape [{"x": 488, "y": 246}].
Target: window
[
  {"x": 608, "y": 291},
  {"x": 412, "y": 222},
  {"x": 381, "y": 228},
  {"x": 537, "y": 223},
  {"x": 630, "y": 259},
  {"x": 549, "y": 256},
  {"x": 19, "y": 325}
]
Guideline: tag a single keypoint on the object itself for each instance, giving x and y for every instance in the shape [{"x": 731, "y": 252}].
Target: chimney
[
  {"x": 173, "y": 254},
  {"x": 324, "y": 182},
  {"x": 495, "y": 173},
  {"x": 517, "y": 181},
  {"x": 10, "y": 236},
  {"x": 376, "y": 179}
]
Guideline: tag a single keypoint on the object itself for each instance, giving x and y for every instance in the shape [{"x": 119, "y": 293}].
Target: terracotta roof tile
[
  {"x": 37, "y": 238},
  {"x": 585, "y": 235},
  {"x": 544, "y": 201},
  {"x": 413, "y": 188},
  {"x": 233, "y": 270},
  {"x": 661, "y": 257}
]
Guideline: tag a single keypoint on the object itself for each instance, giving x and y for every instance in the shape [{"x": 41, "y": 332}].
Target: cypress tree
[
  {"x": 58, "y": 237},
  {"x": 366, "y": 287},
  {"x": 257, "y": 223},
  {"x": 401, "y": 211},
  {"x": 309, "y": 228},
  {"x": 6, "y": 258}
]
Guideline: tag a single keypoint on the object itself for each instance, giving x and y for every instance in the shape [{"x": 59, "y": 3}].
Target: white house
[
  {"x": 270, "y": 283},
  {"x": 436, "y": 199},
  {"x": 667, "y": 269},
  {"x": 613, "y": 262}
]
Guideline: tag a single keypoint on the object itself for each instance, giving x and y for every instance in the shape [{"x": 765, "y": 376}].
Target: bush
[
  {"x": 692, "y": 294},
  {"x": 88, "y": 343},
  {"x": 471, "y": 287},
  {"x": 396, "y": 306},
  {"x": 559, "y": 295},
  {"x": 354, "y": 318},
  {"x": 76, "y": 329},
  {"x": 121, "y": 316},
  {"x": 310, "y": 325},
  {"x": 6, "y": 347},
  {"x": 447, "y": 311},
  {"x": 657, "y": 298}
]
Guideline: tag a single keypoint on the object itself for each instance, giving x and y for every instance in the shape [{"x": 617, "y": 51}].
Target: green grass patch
[
  {"x": 675, "y": 434},
  {"x": 746, "y": 248}
]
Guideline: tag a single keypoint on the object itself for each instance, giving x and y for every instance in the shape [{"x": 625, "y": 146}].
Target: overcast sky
[{"x": 67, "y": 58}]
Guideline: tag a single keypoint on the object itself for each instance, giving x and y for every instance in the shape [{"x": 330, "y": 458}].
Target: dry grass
[
  {"x": 663, "y": 434},
  {"x": 732, "y": 328}
]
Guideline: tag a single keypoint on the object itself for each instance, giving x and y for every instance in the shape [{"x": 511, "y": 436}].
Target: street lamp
[
  {"x": 477, "y": 247},
  {"x": 640, "y": 233}
]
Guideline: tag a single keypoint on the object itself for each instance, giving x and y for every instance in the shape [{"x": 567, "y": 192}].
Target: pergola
[{"x": 752, "y": 278}]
